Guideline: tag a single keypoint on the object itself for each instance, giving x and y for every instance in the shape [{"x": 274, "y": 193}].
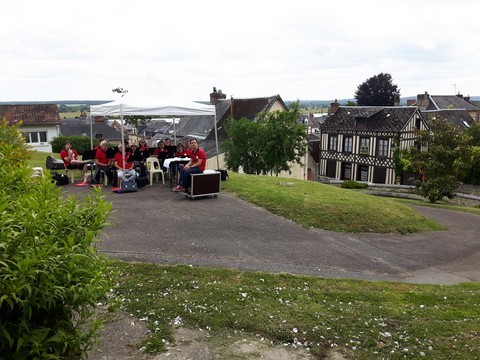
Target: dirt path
[{"x": 120, "y": 336}]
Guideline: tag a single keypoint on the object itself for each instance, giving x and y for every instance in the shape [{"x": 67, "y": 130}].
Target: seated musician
[
  {"x": 161, "y": 153},
  {"x": 102, "y": 162},
  {"x": 70, "y": 158},
  {"x": 180, "y": 153},
  {"x": 123, "y": 166},
  {"x": 196, "y": 165}
]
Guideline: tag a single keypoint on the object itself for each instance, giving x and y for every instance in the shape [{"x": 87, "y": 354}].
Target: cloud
[{"x": 309, "y": 50}]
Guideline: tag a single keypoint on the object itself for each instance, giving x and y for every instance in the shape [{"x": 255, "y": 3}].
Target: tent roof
[{"x": 152, "y": 107}]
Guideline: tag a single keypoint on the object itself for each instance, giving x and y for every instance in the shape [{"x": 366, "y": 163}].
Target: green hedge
[
  {"x": 351, "y": 184},
  {"x": 79, "y": 143},
  {"x": 51, "y": 275}
]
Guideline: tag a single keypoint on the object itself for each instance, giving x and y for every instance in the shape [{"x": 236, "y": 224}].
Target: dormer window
[{"x": 361, "y": 122}]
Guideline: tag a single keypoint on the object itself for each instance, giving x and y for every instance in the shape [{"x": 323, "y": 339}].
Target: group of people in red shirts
[{"x": 128, "y": 165}]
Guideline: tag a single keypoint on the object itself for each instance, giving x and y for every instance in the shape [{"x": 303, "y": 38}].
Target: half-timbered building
[{"x": 357, "y": 142}]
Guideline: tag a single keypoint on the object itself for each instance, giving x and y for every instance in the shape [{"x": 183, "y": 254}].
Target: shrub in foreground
[{"x": 51, "y": 275}]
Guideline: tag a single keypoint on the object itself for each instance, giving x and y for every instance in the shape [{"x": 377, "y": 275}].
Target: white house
[{"x": 39, "y": 123}]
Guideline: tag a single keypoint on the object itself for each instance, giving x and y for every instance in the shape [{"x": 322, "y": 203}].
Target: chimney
[
  {"x": 333, "y": 107},
  {"x": 215, "y": 95},
  {"x": 423, "y": 100}
]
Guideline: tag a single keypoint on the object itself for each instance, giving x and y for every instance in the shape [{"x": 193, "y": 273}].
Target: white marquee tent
[{"x": 155, "y": 107}]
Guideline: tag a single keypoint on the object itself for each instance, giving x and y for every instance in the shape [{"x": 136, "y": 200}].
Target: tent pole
[
  {"x": 123, "y": 139},
  {"x": 174, "y": 133},
  {"x": 91, "y": 132},
  {"x": 216, "y": 136}
]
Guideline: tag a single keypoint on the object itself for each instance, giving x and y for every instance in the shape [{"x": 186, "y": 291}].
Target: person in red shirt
[
  {"x": 143, "y": 150},
  {"x": 160, "y": 148},
  {"x": 124, "y": 167},
  {"x": 102, "y": 162},
  {"x": 196, "y": 165},
  {"x": 70, "y": 158},
  {"x": 181, "y": 152}
]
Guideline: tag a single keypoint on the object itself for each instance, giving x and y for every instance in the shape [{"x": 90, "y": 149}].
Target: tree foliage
[
  {"x": 51, "y": 275},
  {"x": 377, "y": 91},
  {"x": 471, "y": 156},
  {"x": 441, "y": 165},
  {"x": 268, "y": 145}
]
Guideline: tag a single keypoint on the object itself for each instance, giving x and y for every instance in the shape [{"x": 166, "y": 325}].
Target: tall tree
[
  {"x": 268, "y": 145},
  {"x": 441, "y": 164},
  {"x": 377, "y": 91},
  {"x": 470, "y": 162}
]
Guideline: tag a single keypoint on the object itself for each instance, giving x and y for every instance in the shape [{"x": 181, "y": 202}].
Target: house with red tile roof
[{"x": 39, "y": 123}]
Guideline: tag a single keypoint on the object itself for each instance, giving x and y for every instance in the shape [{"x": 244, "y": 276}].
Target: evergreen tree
[{"x": 377, "y": 91}]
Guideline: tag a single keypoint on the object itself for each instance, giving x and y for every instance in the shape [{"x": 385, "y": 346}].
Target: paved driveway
[{"x": 159, "y": 226}]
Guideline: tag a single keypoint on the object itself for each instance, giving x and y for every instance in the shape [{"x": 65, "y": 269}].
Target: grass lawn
[
  {"x": 313, "y": 204},
  {"x": 365, "y": 320}
]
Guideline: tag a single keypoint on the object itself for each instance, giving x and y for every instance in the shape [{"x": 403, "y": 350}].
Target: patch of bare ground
[{"x": 120, "y": 337}]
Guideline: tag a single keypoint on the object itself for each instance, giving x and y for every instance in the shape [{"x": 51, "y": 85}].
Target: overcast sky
[{"x": 303, "y": 49}]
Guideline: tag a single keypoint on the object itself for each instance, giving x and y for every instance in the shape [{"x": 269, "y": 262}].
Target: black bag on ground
[
  {"x": 54, "y": 164},
  {"x": 223, "y": 174},
  {"x": 129, "y": 186},
  {"x": 60, "y": 179},
  {"x": 142, "y": 181}
]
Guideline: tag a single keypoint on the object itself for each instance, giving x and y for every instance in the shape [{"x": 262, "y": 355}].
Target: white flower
[{"x": 177, "y": 321}]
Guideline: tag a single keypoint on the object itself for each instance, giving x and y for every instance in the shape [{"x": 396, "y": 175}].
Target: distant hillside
[
  {"x": 326, "y": 103},
  {"x": 58, "y": 102}
]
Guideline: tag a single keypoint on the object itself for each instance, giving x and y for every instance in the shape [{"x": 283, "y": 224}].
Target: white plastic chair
[
  {"x": 38, "y": 172},
  {"x": 153, "y": 167}
]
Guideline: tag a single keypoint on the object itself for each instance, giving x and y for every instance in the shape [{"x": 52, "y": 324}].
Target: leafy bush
[
  {"x": 437, "y": 188},
  {"x": 79, "y": 143},
  {"x": 14, "y": 157},
  {"x": 351, "y": 184},
  {"x": 51, "y": 275}
]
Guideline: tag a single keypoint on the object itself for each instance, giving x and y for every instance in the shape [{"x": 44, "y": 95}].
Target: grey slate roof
[
  {"x": 458, "y": 118},
  {"x": 441, "y": 102},
  {"x": 155, "y": 127},
  {"x": 79, "y": 127},
  {"x": 378, "y": 118}
]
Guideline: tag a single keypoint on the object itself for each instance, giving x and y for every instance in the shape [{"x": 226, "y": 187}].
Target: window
[
  {"x": 347, "y": 144},
  {"x": 332, "y": 143},
  {"x": 364, "y": 145},
  {"x": 361, "y": 122},
  {"x": 35, "y": 137},
  {"x": 346, "y": 171},
  {"x": 418, "y": 124},
  {"x": 382, "y": 148},
  {"x": 362, "y": 173}
]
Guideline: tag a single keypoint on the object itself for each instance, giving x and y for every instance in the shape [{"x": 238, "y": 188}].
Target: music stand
[
  {"x": 171, "y": 149},
  {"x": 88, "y": 156},
  {"x": 111, "y": 152}
]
